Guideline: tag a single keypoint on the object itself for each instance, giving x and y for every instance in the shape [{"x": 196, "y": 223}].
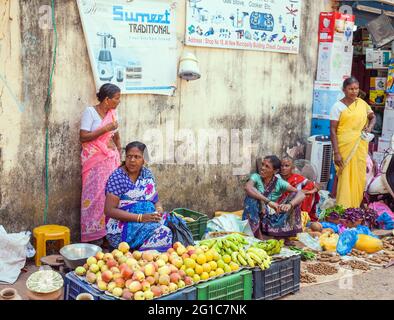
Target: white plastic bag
[
  {"x": 229, "y": 223},
  {"x": 14, "y": 248}
]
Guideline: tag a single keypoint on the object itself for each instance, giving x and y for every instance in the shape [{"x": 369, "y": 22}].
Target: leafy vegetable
[
  {"x": 305, "y": 255},
  {"x": 334, "y": 212},
  {"x": 353, "y": 214}
]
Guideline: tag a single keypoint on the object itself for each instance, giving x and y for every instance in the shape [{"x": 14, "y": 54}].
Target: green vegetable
[{"x": 305, "y": 255}]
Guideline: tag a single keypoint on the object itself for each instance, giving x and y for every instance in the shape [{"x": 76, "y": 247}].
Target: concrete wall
[{"x": 268, "y": 93}]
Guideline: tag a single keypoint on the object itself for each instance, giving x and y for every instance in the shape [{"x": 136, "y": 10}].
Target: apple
[
  {"x": 120, "y": 282},
  {"x": 102, "y": 285},
  {"x": 135, "y": 267},
  {"x": 156, "y": 276},
  {"x": 188, "y": 248},
  {"x": 175, "y": 277},
  {"x": 135, "y": 286},
  {"x": 149, "y": 269},
  {"x": 111, "y": 286},
  {"x": 171, "y": 250},
  {"x": 160, "y": 263},
  {"x": 165, "y": 289},
  {"x": 173, "y": 287},
  {"x": 115, "y": 251},
  {"x": 117, "y": 292},
  {"x": 100, "y": 263},
  {"x": 185, "y": 256},
  {"x": 127, "y": 295},
  {"x": 86, "y": 266},
  {"x": 190, "y": 252},
  {"x": 80, "y": 271},
  {"x": 165, "y": 270},
  {"x": 91, "y": 260},
  {"x": 99, "y": 255},
  {"x": 151, "y": 280},
  {"x": 118, "y": 255},
  {"x": 98, "y": 276},
  {"x": 147, "y": 256},
  {"x": 94, "y": 268},
  {"x": 123, "y": 247},
  {"x": 164, "y": 279},
  {"x": 138, "y": 275},
  {"x": 178, "y": 263},
  {"x": 116, "y": 276},
  {"x": 91, "y": 277},
  {"x": 108, "y": 256},
  {"x": 188, "y": 281},
  {"x": 137, "y": 255},
  {"x": 148, "y": 295},
  {"x": 126, "y": 272},
  {"x": 156, "y": 291},
  {"x": 173, "y": 269},
  {"x": 145, "y": 285},
  {"x": 111, "y": 263},
  {"x": 182, "y": 273},
  {"x": 122, "y": 259},
  {"x": 107, "y": 276},
  {"x": 139, "y": 295},
  {"x": 181, "y": 284},
  {"x": 181, "y": 250},
  {"x": 131, "y": 261},
  {"x": 176, "y": 245},
  {"x": 104, "y": 268},
  {"x": 163, "y": 257},
  {"x": 115, "y": 270}
]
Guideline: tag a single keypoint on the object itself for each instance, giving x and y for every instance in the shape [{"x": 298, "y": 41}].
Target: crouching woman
[
  {"x": 132, "y": 206},
  {"x": 265, "y": 214}
]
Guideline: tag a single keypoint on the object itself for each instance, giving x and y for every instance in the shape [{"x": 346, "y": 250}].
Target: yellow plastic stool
[
  {"x": 237, "y": 213},
  {"x": 49, "y": 232}
]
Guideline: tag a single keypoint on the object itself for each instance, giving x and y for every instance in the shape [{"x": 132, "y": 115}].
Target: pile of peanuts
[
  {"x": 356, "y": 265},
  {"x": 321, "y": 269},
  {"x": 307, "y": 277}
]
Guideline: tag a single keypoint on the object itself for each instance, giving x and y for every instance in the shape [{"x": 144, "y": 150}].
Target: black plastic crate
[
  {"x": 282, "y": 278},
  {"x": 73, "y": 286}
]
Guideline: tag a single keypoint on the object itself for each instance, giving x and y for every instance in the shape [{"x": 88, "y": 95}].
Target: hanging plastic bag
[
  {"x": 180, "y": 231},
  {"x": 329, "y": 241},
  {"x": 346, "y": 242}
]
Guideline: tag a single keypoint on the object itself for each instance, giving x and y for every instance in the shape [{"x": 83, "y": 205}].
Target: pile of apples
[{"x": 149, "y": 274}]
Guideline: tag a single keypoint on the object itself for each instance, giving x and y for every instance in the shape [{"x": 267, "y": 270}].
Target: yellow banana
[
  {"x": 250, "y": 260},
  {"x": 242, "y": 260},
  {"x": 255, "y": 257}
]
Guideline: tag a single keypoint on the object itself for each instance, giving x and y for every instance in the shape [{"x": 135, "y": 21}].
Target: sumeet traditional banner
[
  {"x": 265, "y": 25},
  {"x": 132, "y": 44}
]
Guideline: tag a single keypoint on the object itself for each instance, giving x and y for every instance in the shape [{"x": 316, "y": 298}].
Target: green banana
[{"x": 242, "y": 260}]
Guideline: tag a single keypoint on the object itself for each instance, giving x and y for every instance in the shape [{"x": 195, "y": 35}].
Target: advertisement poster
[
  {"x": 264, "y": 25},
  {"x": 132, "y": 44}
]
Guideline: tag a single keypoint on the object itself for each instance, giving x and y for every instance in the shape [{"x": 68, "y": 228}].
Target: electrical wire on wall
[{"x": 47, "y": 112}]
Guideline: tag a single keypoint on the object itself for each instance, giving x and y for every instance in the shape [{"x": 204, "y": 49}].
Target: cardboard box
[
  {"x": 325, "y": 95},
  {"x": 377, "y": 83},
  {"x": 388, "y": 124},
  {"x": 377, "y": 58},
  {"x": 383, "y": 145},
  {"x": 377, "y": 97},
  {"x": 334, "y": 62},
  {"x": 336, "y": 26}
]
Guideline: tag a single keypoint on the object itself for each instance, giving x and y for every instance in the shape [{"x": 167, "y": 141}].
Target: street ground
[{"x": 377, "y": 284}]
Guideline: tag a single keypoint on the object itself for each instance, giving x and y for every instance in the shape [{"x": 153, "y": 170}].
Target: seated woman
[
  {"x": 132, "y": 205},
  {"x": 261, "y": 207},
  {"x": 298, "y": 181}
]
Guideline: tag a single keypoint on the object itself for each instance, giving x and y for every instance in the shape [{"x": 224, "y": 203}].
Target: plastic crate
[
  {"x": 197, "y": 227},
  {"x": 73, "y": 286},
  {"x": 238, "y": 286},
  {"x": 185, "y": 294},
  {"x": 282, "y": 278}
]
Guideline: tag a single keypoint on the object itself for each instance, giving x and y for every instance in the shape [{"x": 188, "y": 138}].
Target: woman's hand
[
  {"x": 111, "y": 145},
  {"x": 151, "y": 217},
  {"x": 111, "y": 126},
  {"x": 274, "y": 206},
  {"x": 338, "y": 160},
  {"x": 285, "y": 207},
  {"x": 367, "y": 129}
]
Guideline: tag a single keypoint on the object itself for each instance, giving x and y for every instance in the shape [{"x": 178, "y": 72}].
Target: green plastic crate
[
  {"x": 197, "y": 227},
  {"x": 237, "y": 286}
]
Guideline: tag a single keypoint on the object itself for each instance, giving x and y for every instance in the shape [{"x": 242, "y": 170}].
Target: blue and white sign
[
  {"x": 131, "y": 44},
  {"x": 264, "y": 25}
]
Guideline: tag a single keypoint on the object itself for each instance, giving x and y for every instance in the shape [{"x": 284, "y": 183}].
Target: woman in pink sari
[{"x": 100, "y": 157}]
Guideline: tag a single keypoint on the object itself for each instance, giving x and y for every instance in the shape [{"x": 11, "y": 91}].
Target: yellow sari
[{"x": 354, "y": 151}]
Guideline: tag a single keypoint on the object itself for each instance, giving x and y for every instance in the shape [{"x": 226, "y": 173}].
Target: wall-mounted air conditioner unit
[{"x": 319, "y": 153}]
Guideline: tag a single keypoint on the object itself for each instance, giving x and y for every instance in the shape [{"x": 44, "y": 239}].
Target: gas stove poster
[
  {"x": 263, "y": 25},
  {"x": 132, "y": 44}
]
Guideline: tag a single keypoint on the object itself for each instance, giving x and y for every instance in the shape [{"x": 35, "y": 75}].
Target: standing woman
[
  {"x": 351, "y": 118},
  {"x": 100, "y": 157}
]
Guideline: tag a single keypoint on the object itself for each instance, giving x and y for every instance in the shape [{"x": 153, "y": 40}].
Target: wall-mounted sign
[
  {"x": 131, "y": 44},
  {"x": 266, "y": 25}
]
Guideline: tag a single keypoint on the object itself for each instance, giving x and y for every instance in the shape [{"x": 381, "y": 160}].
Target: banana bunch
[
  {"x": 227, "y": 245},
  {"x": 252, "y": 257},
  {"x": 270, "y": 246}
]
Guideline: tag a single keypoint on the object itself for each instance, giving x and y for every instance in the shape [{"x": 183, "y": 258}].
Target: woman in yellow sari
[{"x": 351, "y": 118}]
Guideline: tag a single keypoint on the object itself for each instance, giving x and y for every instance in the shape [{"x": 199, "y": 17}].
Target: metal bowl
[{"x": 75, "y": 254}]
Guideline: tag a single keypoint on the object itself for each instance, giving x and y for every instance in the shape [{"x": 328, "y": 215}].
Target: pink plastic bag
[{"x": 380, "y": 208}]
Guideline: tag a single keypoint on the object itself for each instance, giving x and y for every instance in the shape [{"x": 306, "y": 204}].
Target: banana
[
  {"x": 233, "y": 246},
  {"x": 255, "y": 257},
  {"x": 242, "y": 253},
  {"x": 234, "y": 256},
  {"x": 241, "y": 260},
  {"x": 226, "y": 243},
  {"x": 219, "y": 243},
  {"x": 250, "y": 260}
]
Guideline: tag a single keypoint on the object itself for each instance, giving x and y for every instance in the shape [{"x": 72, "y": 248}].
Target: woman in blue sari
[
  {"x": 132, "y": 207},
  {"x": 262, "y": 208}
]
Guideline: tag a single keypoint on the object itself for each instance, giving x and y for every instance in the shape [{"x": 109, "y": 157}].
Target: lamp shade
[{"x": 188, "y": 67}]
